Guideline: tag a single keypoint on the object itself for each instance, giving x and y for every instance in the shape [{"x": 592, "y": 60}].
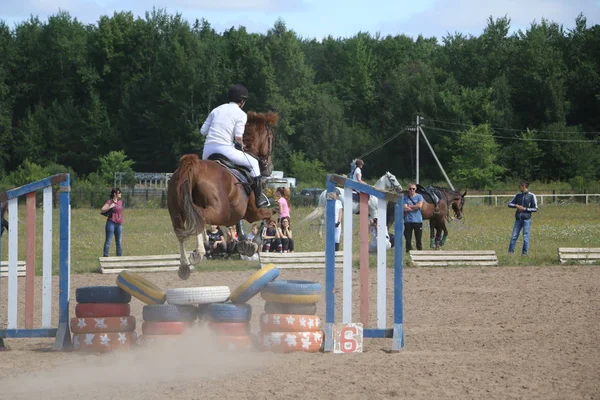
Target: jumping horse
[
  {"x": 386, "y": 182},
  {"x": 205, "y": 192}
]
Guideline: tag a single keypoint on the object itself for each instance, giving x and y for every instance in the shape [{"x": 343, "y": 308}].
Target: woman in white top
[
  {"x": 357, "y": 173},
  {"x": 223, "y": 128}
]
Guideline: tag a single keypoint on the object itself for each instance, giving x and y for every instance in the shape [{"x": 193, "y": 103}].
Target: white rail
[{"x": 540, "y": 197}]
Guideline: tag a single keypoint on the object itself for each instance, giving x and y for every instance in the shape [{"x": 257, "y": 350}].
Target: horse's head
[
  {"x": 457, "y": 201},
  {"x": 258, "y": 139},
  {"x": 392, "y": 182}
]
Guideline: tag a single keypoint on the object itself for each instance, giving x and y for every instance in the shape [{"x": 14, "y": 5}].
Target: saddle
[
  {"x": 240, "y": 172},
  {"x": 431, "y": 194}
]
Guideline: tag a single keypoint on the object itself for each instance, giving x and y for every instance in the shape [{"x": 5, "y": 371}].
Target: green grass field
[{"x": 149, "y": 231}]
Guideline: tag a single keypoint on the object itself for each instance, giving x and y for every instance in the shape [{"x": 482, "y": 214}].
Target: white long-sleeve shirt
[{"x": 223, "y": 124}]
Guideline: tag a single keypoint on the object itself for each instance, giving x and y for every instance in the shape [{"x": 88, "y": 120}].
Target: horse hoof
[
  {"x": 195, "y": 257},
  {"x": 184, "y": 273}
]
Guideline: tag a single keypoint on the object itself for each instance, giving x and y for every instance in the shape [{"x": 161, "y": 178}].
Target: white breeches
[
  {"x": 236, "y": 156},
  {"x": 338, "y": 233}
]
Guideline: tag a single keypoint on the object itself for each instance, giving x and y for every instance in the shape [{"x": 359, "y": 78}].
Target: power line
[
  {"x": 380, "y": 145},
  {"x": 515, "y": 138},
  {"x": 505, "y": 129}
]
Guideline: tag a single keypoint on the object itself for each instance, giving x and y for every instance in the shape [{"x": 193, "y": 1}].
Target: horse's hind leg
[
  {"x": 184, "y": 267},
  {"x": 198, "y": 254}
]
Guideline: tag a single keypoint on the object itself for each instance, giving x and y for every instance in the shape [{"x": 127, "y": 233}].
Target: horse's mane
[{"x": 269, "y": 118}]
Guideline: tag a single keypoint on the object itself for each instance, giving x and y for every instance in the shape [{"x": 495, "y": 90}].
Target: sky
[{"x": 321, "y": 18}]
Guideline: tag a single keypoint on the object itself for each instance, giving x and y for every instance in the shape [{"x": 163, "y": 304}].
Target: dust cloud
[{"x": 193, "y": 357}]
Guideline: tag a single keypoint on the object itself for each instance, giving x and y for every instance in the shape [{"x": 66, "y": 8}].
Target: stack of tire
[
  {"x": 102, "y": 322},
  {"x": 289, "y": 322},
  {"x": 183, "y": 306},
  {"x": 230, "y": 321}
]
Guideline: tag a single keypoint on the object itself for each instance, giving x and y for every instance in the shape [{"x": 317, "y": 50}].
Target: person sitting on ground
[
  {"x": 216, "y": 242},
  {"x": 284, "y": 204},
  {"x": 271, "y": 240},
  {"x": 232, "y": 239},
  {"x": 285, "y": 235},
  {"x": 373, "y": 229},
  {"x": 254, "y": 235}
]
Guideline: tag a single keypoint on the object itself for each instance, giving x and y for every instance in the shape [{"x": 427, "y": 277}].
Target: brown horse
[
  {"x": 437, "y": 218},
  {"x": 202, "y": 192}
]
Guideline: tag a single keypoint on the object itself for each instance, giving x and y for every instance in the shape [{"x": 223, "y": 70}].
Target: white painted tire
[{"x": 198, "y": 295}]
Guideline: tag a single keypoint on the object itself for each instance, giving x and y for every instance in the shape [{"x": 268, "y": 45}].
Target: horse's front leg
[
  {"x": 184, "y": 269},
  {"x": 445, "y": 236}
]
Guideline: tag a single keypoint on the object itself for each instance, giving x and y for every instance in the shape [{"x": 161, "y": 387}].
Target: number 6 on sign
[{"x": 347, "y": 338}]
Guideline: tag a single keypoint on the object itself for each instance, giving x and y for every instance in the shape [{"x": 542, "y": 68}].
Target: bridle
[{"x": 398, "y": 187}]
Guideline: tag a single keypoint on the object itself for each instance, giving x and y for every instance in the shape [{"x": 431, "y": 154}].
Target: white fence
[{"x": 586, "y": 198}]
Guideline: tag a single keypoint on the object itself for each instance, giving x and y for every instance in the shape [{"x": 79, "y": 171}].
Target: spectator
[
  {"x": 285, "y": 234},
  {"x": 526, "y": 203},
  {"x": 216, "y": 242},
  {"x": 254, "y": 235},
  {"x": 232, "y": 239},
  {"x": 284, "y": 204},
  {"x": 270, "y": 238},
  {"x": 339, "y": 213},
  {"x": 373, "y": 230},
  {"x": 113, "y": 210},
  {"x": 413, "y": 219}
]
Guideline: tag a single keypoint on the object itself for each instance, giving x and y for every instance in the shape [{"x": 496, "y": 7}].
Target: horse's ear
[{"x": 464, "y": 194}]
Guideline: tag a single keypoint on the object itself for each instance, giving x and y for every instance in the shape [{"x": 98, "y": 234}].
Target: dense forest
[{"x": 496, "y": 107}]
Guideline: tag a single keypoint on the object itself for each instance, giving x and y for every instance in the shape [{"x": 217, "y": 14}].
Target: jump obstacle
[
  {"x": 14, "y": 329},
  {"x": 397, "y": 331}
]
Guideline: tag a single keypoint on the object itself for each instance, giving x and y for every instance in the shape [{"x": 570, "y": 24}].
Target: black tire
[
  {"x": 285, "y": 308},
  {"x": 169, "y": 313},
  {"x": 229, "y": 312},
  {"x": 101, "y": 294}
]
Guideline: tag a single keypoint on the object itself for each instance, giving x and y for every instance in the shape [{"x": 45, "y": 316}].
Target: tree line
[{"x": 496, "y": 107}]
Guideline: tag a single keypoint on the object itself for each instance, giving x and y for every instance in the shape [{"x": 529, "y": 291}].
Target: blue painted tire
[
  {"x": 229, "y": 312},
  {"x": 101, "y": 294},
  {"x": 293, "y": 287},
  {"x": 169, "y": 313},
  {"x": 254, "y": 284}
]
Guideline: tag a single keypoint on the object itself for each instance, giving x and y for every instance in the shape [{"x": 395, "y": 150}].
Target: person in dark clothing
[
  {"x": 216, "y": 242},
  {"x": 526, "y": 203}
]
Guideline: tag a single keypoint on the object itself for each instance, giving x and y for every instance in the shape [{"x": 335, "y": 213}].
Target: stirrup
[{"x": 262, "y": 201}]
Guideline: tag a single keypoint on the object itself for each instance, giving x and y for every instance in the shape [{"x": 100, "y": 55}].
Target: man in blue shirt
[
  {"x": 526, "y": 203},
  {"x": 413, "y": 220}
]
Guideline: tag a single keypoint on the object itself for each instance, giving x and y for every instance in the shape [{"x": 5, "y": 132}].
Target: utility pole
[{"x": 417, "y": 147}]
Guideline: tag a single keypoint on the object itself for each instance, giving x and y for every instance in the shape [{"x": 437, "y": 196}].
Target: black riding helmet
[{"x": 238, "y": 93}]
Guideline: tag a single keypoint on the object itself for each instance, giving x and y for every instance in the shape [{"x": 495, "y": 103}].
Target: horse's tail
[
  {"x": 314, "y": 215},
  {"x": 193, "y": 218}
]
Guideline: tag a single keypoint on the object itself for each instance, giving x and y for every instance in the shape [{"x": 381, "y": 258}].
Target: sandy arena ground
[{"x": 471, "y": 333}]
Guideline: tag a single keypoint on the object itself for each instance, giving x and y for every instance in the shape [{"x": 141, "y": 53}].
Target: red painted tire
[
  {"x": 289, "y": 323},
  {"x": 237, "y": 343},
  {"x": 103, "y": 342},
  {"x": 165, "y": 328},
  {"x": 94, "y": 310},
  {"x": 229, "y": 328},
  {"x": 287, "y": 342},
  {"x": 103, "y": 324}
]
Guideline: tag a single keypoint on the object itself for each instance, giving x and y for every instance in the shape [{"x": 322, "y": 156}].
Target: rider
[
  {"x": 224, "y": 128},
  {"x": 357, "y": 172}
]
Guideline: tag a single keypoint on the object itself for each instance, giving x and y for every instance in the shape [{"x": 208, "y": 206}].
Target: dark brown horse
[
  {"x": 451, "y": 199},
  {"x": 4, "y": 223},
  {"x": 202, "y": 192}
]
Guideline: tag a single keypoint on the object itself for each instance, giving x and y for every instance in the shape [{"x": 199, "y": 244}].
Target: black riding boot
[{"x": 261, "y": 199}]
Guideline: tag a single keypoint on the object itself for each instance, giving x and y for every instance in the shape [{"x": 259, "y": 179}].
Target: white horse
[{"x": 386, "y": 182}]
